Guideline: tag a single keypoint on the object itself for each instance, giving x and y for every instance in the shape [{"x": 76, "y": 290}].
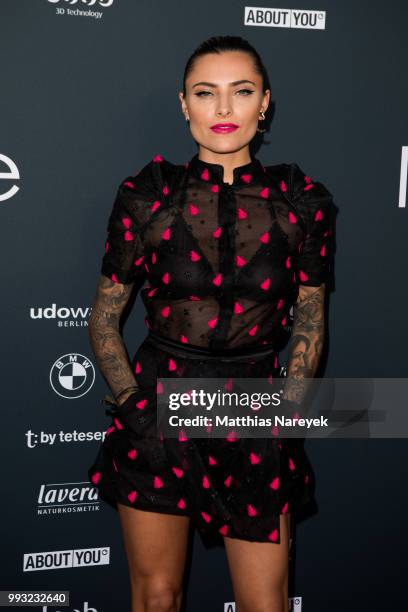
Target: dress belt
[{"x": 192, "y": 351}]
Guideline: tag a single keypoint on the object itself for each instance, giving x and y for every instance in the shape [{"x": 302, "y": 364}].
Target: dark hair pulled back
[{"x": 219, "y": 44}]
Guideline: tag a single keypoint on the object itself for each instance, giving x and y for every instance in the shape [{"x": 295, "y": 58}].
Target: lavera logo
[
  {"x": 284, "y": 18},
  {"x": 65, "y": 316},
  {"x": 67, "y": 498}
]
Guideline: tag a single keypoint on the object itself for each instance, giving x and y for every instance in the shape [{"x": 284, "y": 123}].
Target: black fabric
[
  {"x": 222, "y": 262},
  {"x": 222, "y": 266}
]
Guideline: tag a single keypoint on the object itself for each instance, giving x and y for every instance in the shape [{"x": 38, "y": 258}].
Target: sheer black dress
[{"x": 218, "y": 267}]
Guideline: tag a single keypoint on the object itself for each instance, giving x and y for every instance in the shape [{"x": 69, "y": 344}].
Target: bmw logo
[{"x": 72, "y": 375}]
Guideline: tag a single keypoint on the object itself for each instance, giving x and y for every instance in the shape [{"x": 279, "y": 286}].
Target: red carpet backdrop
[{"x": 89, "y": 96}]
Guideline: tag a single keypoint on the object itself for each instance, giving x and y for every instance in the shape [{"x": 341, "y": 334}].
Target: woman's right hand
[{"x": 125, "y": 397}]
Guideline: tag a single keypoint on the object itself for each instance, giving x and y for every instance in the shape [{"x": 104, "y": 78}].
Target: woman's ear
[
  {"x": 266, "y": 100},
  {"x": 183, "y": 105}
]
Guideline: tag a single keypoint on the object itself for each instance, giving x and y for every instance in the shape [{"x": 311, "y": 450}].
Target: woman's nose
[
  {"x": 224, "y": 107},
  {"x": 223, "y": 114}
]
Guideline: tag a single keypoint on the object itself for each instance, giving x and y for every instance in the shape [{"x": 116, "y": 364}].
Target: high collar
[{"x": 214, "y": 173}]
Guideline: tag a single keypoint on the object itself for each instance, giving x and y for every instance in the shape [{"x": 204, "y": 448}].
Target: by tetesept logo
[
  {"x": 72, "y": 375},
  {"x": 284, "y": 18}
]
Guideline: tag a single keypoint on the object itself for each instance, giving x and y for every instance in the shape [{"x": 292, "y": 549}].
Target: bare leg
[
  {"x": 156, "y": 547},
  {"x": 259, "y": 572}
]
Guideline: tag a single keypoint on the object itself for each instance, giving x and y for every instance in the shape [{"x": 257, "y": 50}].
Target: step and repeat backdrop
[{"x": 89, "y": 96}]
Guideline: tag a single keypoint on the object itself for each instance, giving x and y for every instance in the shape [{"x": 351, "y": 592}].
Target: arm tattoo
[
  {"x": 306, "y": 343},
  {"x": 106, "y": 341}
]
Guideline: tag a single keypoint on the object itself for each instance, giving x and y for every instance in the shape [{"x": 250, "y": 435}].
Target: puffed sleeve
[
  {"x": 123, "y": 260},
  {"x": 315, "y": 261}
]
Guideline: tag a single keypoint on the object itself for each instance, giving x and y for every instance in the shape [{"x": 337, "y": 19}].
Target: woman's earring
[{"x": 262, "y": 118}]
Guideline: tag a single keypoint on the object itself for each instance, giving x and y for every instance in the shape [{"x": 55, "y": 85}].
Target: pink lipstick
[{"x": 224, "y": 128}]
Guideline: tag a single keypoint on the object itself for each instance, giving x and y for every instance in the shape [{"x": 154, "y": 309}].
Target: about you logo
[{"x": 284, "y": 18}]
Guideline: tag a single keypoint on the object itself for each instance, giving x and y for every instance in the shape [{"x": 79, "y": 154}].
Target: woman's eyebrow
[{"x": 205, "y": 83}]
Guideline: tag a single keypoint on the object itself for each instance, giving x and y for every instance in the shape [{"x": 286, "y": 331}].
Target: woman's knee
[{"x": 158, "y": 594}]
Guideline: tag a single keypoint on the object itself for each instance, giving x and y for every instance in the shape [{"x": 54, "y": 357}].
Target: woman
[{"x": 227, "y": 247}]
